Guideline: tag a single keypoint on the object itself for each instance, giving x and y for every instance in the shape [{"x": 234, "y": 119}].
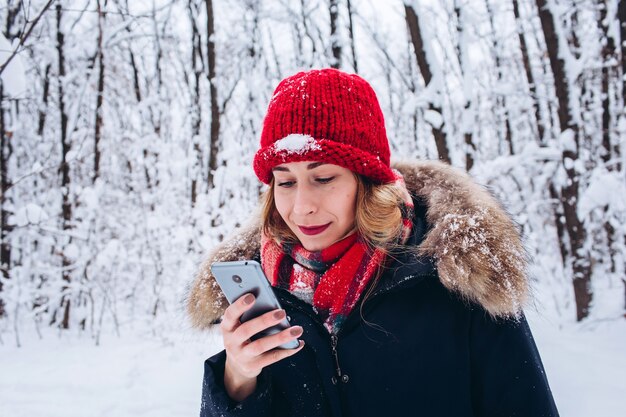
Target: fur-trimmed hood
[{"x": 475, "y": 244}]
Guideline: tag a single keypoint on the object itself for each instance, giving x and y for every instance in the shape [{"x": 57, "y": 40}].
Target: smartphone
[{"x": 237, "y": 278}]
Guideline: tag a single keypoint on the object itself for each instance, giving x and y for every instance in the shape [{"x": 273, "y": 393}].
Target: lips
[{"x": 314, "y": 230}]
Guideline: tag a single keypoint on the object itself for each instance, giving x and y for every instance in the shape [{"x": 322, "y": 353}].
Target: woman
[{"x": 404, "y": 286}]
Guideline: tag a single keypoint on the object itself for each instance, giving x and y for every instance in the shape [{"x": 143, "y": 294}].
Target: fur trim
[
  {"x": 205, "y": 302},
  {"x": 476, "y": 245}
]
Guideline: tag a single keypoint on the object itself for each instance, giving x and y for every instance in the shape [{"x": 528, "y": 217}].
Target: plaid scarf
[{"x": 332, "y": 279}]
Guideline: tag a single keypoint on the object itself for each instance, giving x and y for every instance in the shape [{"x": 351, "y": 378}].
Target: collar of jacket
[
  {"x": 408, "y": 265},
  {"x": 471, "y": 240}
]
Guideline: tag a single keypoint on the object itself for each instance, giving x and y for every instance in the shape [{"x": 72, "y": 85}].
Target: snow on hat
[{"x": 326, "y": 116}]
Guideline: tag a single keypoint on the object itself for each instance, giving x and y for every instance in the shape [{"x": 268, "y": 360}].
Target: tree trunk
[
  {"x": 351, "y": 33},
  {"x": 123, "y": 12},
  {"x": 65, "y": 177},
  {"x": 529, "y": 73},
  {"x": 215, "y": 111},
  {"x": 5, "y": 230},
  {"x": 334, "y": 35},
  {"x": 196, "y": 116},
  {"x": 611, "y": 71},
  {"x": 46, "y": 90},
  {"x": 6, "y": 150},
  {"x": 467, "y": 123},
  {"x": 133, "y": 65},
  {"x": 12, "y": 10},
  {"x": 559, "y": 223},
  {"x": 99, "y": 96},
  {"x": 611, "y": 152},
  {"x": 621, "y": 16},
  {"x": 422, "y": 61},
  {"x": 570, "y": 131},
  {"x": 500, "y": 99},
  {"x": 608, "y": 53}
]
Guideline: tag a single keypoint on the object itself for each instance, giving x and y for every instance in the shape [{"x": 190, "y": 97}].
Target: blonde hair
[{"x": 378, "y": 218}]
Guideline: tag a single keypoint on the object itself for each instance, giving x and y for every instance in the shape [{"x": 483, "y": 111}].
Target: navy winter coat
[{"x": 413, "y": 349}]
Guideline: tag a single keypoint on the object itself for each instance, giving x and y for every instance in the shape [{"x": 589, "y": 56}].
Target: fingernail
[
  {"x": 248, "y": 299},
  {"x": 280, "y": 314},
  {"x": 296, "y": 331}
]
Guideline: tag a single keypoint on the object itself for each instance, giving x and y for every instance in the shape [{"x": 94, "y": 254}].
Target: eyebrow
[{"x": 310, "y": 166}]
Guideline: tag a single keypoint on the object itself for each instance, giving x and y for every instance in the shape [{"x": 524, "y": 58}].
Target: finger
[
  {"x": 258, "y": 324},
  {"x": 267, "y": 343},
  {"x": 232, "y": 314},
  {"x": 276, "y": 355}
]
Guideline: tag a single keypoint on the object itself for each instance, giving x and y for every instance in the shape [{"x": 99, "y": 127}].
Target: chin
[{"x": 313, "y": 246}]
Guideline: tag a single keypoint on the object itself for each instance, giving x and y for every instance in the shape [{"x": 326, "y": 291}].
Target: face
[{"x": 316, "y": 200}]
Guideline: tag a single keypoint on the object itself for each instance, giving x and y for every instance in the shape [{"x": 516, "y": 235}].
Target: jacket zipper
[
  {"x": 334, "y": 340},
  {"x": 339, "y": 376}
]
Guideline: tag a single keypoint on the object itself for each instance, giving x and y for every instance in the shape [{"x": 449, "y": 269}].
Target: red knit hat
[{"x": 328, "y": 116}]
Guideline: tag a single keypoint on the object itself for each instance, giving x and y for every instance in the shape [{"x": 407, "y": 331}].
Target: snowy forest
[{"x": 128, "y": 130}]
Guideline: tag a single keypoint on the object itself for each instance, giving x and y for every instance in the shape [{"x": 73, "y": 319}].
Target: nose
[{"x": 304, "y": 202}]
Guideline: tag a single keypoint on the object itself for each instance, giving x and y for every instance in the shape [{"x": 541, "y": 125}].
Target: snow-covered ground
[
  {"x": 145, "y": 375},
  {"x": 128, "y": 376},
  {"x": 586, "y": 365}
]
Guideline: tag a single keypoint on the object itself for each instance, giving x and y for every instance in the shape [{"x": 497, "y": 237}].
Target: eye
[
  {"x": 325, "y": 180},
  {"x": 286, "y": 184}
]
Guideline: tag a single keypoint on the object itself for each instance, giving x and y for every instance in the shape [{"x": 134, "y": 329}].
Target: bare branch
[{"x": 25, "y": 36}]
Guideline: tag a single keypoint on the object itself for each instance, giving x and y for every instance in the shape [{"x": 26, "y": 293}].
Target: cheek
[
  {"x": 349, "y": 206},
  {"x": 282, "y": 205}
]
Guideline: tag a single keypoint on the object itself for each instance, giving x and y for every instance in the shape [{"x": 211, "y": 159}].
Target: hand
[{"x": 245, "y": 358}]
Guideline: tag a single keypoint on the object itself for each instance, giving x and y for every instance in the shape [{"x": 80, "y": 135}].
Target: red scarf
[{"x": 332, "y": 279}]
